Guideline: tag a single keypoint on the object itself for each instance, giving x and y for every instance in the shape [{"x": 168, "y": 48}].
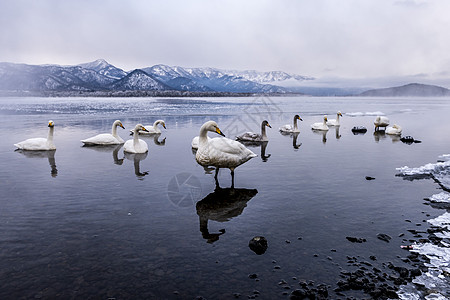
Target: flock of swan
[{"x": 218, "y": 152}]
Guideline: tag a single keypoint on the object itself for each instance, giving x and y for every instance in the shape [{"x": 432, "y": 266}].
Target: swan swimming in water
[
  {"x": 255, "y": 137},
  {"x": 394, "y": 130},
  {"x": 152, "y": 129},
  {"x": 220, "y": 152},
  {"x": 136, "y": 145},
  {"x": 335, "y": 122},
  {"x": 381, "y": 121},
  {"x": 39, "y": 144},
  {"x": 320, "y": 126},
  {"x": 106, "y": 138},
  {"x": 288, "y": 128}
]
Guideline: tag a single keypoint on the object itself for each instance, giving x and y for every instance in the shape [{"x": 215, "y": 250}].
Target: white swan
[
  {"x": 194, "y": 142},
  {"x": 136, "y": 145},
  {"x": 381, "y": 121},
  {"x": 394, "y": 130},
  {"x": 39, "y": 144},
  {"x": 335, "y": 122},
  {"x": 220, "y": 152},
  {"x": 152, "y": 129},
  {"x": 288, "y": 128},
  {"x": 320, "y": 126},
  {"x": 106, "y": 138},
  {"x": 255, "y": 137}
]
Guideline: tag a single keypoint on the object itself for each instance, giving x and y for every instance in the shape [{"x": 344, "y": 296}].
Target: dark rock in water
[
  {"x": 258, "y": 244},
  {"x": 384, "y": 237},
  {"x": 359, "y": 130},
  {"x": 253, "y": 276},
  {"x": 370, "y": 178},
  {"x": 355, "y": 239},
  {"x": 402, "y": 272},
  {"x": 409, "y": 140},
  {"x": 320, "y": 292}
]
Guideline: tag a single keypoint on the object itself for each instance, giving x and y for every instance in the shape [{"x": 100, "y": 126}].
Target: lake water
[{"x": 87, "y": 222}]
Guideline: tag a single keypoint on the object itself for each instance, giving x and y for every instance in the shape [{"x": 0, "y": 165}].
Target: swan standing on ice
[
  {"x": 288, "y": 128},
  {"x": 39, "y": 144},
  {"x": 136, "y": 145},
  {"x": 220, "y": 152},
  {"x": 153, "y": 129},
  {"x": 335, "y": 122},
  {"x": 255, "y": 137},
  {"x": 381, "y": 121},
  {"x": 320, "y": 126},
  {"x": 394, "y": 130},
  {"x": 106, "y": 138}
]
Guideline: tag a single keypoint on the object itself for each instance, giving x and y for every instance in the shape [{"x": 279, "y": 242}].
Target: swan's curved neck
[
  {"x": 135, "y": 137},
  {"x": 295, "y": 123},
  {"x": 263, "y": 131},
  {"x": 155, "y": 125},
  {"x": 203, "y": 136},
  {"x": 50, "y": 133},
  {"x": 114, "y": 129}
]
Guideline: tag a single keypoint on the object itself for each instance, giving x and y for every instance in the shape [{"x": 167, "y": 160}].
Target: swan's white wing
[
  {"x": 249, "y": 136},
  {"x": 35, "y": 144},
  {"x": 287, "y": 128},
  {"x": 102, "y": 139}
]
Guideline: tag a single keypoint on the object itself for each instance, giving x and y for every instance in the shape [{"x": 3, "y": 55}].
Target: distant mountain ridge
[
  {"x": 100, "y": 76},
  {"x": 409, "y": 90}
]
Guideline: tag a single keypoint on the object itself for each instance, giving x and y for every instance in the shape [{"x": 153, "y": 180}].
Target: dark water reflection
[
  {"x": 221, "y": 206},
  {"x": 49, "y": 154},
  {"x": 112, "y": 225}
]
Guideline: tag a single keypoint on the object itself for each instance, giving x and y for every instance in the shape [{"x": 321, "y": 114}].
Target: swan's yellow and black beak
[
  {"x": 325, "y": 118},
  {"x": 120, "y": 124},
  {"x": 51, "y": 124},
  {"x": 300, "y": 118},
  {"x": 164, "y": 125},
  {"x": 340, "y": 115},
  {"x": 143, "y": 129},
  {"x": 268, "y": 125},
  {"x": 219, "y": 132}
]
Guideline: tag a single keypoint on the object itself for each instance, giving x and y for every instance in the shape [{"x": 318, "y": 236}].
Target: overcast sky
[{"x": 319, "y": 38}]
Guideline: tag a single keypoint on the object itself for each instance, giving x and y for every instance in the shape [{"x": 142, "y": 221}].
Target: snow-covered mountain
[
  {"x": 102, "y": 67},
  {"x": 99, "y": 75},
  {"x": 138, "y": 80},
  {"x": 226, "y": 80}
]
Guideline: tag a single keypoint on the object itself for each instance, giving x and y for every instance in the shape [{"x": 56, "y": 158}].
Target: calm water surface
[{"x": 86, "y": 222}]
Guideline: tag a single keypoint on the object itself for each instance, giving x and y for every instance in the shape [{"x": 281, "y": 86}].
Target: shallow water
[{"x": 90, "y": 222}]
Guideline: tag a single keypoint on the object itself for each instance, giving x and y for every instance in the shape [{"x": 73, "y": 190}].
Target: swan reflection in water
[
  {"x": 221, "y": 206},
  {"x": 137, "y": 158},
  {"x": 155, "y": 137},
  {"x": 323, "y": 133},
  {"x": 379, "y": 135},
  {"x": 262, "y": 145},
  {"x": 294, "y": 136},
  {"x": 338, "y": 136},
  {"x": 49, "y": 154},
  {"x": 114, "y": 149}
]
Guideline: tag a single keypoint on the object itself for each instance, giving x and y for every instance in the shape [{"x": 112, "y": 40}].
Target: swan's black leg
[
  {"x": 232, "y": 178},
  {"x": 215, "y": 177}
]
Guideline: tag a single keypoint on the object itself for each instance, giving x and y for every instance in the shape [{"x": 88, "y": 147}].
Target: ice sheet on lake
[
  {"x": 436, "y": 279},
  {"x": 442, "y": 197},
  {"x": 363, "y": 114},
  {"x": 440, "y": 171}
]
